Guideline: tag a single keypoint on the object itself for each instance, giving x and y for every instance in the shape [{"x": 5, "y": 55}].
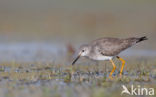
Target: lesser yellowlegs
[{"x": 107, "y": 49}]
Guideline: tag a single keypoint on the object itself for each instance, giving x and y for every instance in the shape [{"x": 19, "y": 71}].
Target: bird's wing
[{"x": 110, "y": 46}]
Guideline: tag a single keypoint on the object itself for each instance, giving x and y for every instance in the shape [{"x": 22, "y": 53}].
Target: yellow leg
[
  {"x": 123, "y": 63},
  {"x": 114, "y": 67}
]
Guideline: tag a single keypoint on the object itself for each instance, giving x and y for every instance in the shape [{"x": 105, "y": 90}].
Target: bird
[{"x": 107, "y": 48}]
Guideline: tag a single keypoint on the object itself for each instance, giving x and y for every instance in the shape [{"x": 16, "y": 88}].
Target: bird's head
[{"x": 83, "y": 51}]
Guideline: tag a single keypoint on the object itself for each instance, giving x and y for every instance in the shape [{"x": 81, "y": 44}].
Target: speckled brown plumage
[
  {"x": 113, "y": 46},
  {"x": 106, "y": 49}
]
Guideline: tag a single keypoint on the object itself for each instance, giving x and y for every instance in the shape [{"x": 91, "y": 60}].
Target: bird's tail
[{"x": 141, "y": 39}]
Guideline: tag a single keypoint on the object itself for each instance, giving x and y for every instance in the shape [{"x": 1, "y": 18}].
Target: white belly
[{"x": 102, "y": 58}]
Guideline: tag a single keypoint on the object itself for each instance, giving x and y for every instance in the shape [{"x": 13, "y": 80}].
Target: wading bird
[{"x": 106, "y": 49}]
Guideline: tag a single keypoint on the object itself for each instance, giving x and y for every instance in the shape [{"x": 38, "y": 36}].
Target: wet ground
[
  {"x": 46, "y": 52},
  {"x": 38, "y": 70},
  {"x": 58, "y": 80}
]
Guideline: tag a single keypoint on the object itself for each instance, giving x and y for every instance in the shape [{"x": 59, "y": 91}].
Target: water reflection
[{"x": 46, "y": 52}]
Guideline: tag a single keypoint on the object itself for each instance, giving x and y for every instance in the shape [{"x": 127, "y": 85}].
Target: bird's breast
[{"x": 100, "y": 57}]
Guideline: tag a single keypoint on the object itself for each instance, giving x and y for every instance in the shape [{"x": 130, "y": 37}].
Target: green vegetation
[{"x": 57, "y": 80}]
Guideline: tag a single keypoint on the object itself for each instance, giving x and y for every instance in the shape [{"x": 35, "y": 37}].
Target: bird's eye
[{"x": 83, "y": 50}]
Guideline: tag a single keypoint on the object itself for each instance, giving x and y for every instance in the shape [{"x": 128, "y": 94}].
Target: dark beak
[{"x": 76, "y": 59}]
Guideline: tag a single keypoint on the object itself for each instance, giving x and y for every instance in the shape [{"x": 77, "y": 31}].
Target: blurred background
[
  {"x": 47, "y": 30},
  {"x": 39, "y": 39}
]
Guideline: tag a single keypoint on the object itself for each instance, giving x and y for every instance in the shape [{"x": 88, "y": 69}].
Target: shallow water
[
  {"x": 30, "y": 52},
  {"x": 59, "y": 80}
]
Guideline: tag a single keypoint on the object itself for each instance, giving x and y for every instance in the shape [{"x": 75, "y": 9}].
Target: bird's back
[{"x": 112, "y": 46}]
